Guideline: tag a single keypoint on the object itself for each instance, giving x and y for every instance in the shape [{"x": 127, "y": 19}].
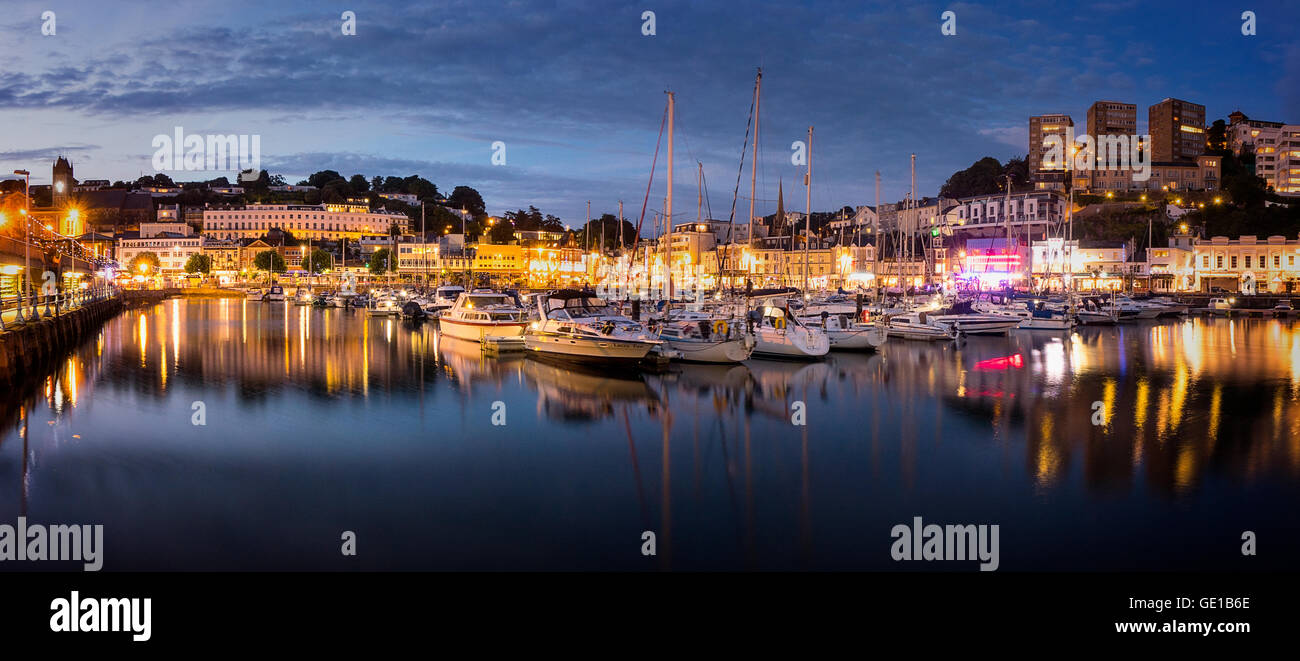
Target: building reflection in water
[{"x": 1178, "y": 403}]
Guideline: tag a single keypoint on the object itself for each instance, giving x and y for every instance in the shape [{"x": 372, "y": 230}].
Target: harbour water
[{"x": 319, "y": 421}]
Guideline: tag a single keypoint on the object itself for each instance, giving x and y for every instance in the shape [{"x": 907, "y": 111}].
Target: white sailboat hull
[
  {"x": 784, "y": 343},
  {"x": 924, "y": 332},
  {"x": 711, "y": 351},
  {"x": 861, "y": 339},
  {"x": 1047, "y": 323},
  {"x": 978, "y": 324}
]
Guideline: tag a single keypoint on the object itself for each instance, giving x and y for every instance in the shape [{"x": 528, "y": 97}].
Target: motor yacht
[
  {"x": 477, "y": 315},
  {"x": 579, "y": 326}
]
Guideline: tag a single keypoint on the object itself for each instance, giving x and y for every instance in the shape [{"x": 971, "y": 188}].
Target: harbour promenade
[{"x": 33, "y": 332}]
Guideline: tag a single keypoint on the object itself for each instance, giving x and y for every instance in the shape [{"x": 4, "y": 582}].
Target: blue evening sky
[{"x": 575, "y": 91}]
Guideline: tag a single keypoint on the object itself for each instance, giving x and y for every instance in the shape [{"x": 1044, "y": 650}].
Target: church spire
[{"x": 780, "y": 207}]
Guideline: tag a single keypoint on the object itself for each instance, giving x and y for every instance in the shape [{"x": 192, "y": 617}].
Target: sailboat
[{"x": 696, "y": 335}]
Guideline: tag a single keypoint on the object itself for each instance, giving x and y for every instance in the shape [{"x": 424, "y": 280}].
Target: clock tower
[{"x": 63, "y": 181}]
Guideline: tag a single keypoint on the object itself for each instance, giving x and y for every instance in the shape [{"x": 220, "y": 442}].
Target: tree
[
  {"x": 269, "y": 260},
  {"x": 145, "y": 263},
  {"x": 1018, "y": 168},
  {"x": 160, "y": 180},
  {"x": 382, "y": 260},
  {"x": 262, "y": 182},
  {"x": 419, "y": 187},
  {"x": 610, "y": 224},
  {"x": 376, "y": 183},
  {"x": 199, "y": 263},
  {"x": 318, "y": 261},
  {"x": 359, "y": 184},
  {"x": 502, "y": 232},
  {"x": 1216, "y": 138},
  {"x": 323, "y": 177},
  {"x": 276, "y": 180},
  {"x": 464, "y": 197},
  {"x": 983, "y": 177}
]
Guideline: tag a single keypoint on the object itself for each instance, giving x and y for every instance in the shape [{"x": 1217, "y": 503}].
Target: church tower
[{"x": 63, "y": 181}]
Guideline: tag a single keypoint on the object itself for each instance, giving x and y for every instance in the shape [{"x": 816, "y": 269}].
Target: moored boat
[
  {"x": 478, "y": 315},
  {"x": 579, "y": 326},
  {"x": 699, "y": 337}
]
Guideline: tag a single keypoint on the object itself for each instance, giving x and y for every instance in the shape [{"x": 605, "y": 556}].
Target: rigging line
[
  {"x": 636, "y": 239},
  {"x": 744, "y": 149}
]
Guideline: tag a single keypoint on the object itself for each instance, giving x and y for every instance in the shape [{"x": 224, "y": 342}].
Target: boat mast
[
  {"x": 807, "y": 221},
  {"x": 668, "y": 204},
  {"x": 753, "y": 167},
  {"x": 875, "y": 231},
  {"x": 914, "y": 204},
  {"x": 1006, "y": 212}
]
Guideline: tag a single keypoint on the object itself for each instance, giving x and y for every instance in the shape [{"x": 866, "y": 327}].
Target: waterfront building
[
  {"x": 1244, "y": 133},
  {"x": 538, "y": 237},
  {"x": 172, "y": 248},
  {"x": 1090, "y": 265},
  {"x": 370, "y": 244},
  {"x": 864, "y": 220},
  {"x": 114, "y": 211},
  {"x": 1177, "y": 130},
  {"x": 1027, "y": 212},
  {"x": 1172, "y": 266},
  {"x": 90, "y": 185},
  {"x": 406, "y": 198},
  {"x": 331, "y": 221},
  {"x": 499, "y": 260},
  {"x": 1200, "y": 173},
  {"x": 1246, "y": 264},
  {"x": 1277, "y": 158},
  {"x": 417, "y": 257},
  {"x": 225, "y": 254}
]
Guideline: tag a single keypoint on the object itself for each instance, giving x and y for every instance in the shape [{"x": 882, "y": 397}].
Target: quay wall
[{"x": 26, "y": 350}]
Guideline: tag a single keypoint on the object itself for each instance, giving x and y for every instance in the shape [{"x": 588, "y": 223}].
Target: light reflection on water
[{"x": 319, "y": 421}]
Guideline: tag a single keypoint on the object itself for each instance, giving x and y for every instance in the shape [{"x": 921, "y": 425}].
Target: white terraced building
[{"x": 322, "y": 221}]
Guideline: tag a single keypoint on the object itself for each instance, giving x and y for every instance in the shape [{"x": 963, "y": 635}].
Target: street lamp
[{"x": 27, "y": 260}]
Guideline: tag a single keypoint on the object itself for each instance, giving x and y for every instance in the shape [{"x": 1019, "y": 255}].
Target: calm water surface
[{"x": 320, "y": 421}]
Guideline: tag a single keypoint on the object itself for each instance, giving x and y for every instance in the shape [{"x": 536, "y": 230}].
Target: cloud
[
  {"x": 1015, "y": 136},
  {"x": 576, "y": 92}
]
